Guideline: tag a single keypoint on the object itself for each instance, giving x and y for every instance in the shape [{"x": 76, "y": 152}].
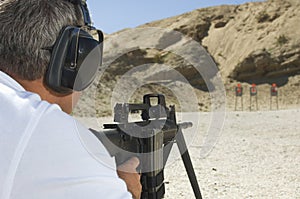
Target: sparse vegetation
[
  {"x": 221, "y": 55},
  {"x": 281, "y": 40},
  {"x": 262, "y": 16}
]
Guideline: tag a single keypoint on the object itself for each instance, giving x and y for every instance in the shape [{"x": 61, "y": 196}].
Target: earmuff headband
[{"x": 85, "y": 11}]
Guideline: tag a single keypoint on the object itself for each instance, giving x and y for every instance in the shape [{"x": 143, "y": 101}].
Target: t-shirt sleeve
[{"x": 64, "y": 159}]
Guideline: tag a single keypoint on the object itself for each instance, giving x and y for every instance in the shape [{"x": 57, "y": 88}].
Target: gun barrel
[{"x": 185, "y": 125}]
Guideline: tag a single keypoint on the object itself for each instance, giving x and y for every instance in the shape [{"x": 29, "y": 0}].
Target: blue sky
[{"x": 113, "y": 15}]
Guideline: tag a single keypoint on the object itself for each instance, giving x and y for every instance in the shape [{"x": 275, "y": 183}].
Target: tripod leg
[{"x": 188, "y": 163}]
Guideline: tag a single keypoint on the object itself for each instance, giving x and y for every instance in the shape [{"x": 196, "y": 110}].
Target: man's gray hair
[{"x": 27, "y": 27}]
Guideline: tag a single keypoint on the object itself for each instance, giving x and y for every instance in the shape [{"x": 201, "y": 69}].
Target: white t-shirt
[{"x": 46, "y": 154}]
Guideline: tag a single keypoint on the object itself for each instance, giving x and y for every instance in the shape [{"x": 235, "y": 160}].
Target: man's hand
[{"x": 127, "y": 172}]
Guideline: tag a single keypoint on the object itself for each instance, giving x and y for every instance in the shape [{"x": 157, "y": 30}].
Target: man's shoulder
[{"x": 71, "y": 133}]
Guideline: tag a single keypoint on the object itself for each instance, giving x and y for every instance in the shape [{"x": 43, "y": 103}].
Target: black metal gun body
[{"x": 150, "y": 139}]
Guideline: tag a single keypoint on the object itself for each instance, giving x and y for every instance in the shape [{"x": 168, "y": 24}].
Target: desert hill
[
  {"x": 256, "y": 42},
  {"x": 257, "y": 153}
]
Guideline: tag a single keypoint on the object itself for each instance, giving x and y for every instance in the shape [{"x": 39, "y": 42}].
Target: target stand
[
  {"x": 238, "y": 97},
  {"x": 274, "y": 94},
  {"x": 253, "y": 97}
]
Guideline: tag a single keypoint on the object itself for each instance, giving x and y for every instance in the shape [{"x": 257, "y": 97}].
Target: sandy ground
[{"x": 257, "y": 155}]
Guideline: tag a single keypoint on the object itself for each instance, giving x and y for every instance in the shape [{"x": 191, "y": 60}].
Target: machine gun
[{"x": 151, "y": 139}]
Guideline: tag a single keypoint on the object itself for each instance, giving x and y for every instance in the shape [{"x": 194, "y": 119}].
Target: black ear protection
[{"x": 75, "y": 56}]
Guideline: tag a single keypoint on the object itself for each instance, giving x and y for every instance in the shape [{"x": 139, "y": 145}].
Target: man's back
[{"x": 45, "y": 153}]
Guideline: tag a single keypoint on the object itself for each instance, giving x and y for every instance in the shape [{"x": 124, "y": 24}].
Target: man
[{"x": 44, "y": 152}]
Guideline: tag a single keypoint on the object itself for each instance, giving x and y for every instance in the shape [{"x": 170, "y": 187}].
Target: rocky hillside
[
  {"x": 250, "y": 42},
  {"x": 256, "y": 42}
]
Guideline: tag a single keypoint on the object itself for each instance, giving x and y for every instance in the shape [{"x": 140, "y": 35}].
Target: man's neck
[{"x": 38, "y": 86}]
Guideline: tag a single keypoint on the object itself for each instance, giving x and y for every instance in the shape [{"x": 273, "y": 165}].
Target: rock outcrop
[{"x": 256, "y": 42}]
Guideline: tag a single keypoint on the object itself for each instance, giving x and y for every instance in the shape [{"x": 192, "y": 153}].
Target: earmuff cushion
[
  {"x": 75, "y": 59},
  {"x": 89, "y": 59},
  {"x": 57, "y": 61}
]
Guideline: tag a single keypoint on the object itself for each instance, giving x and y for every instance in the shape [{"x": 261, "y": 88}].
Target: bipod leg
[{"x": 188, "y": 163}]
